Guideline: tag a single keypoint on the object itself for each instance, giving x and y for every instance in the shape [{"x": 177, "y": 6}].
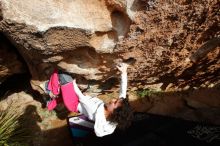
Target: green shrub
[
  {"x": 147, "y": 93},
  {"x": 11, "y": 131}
]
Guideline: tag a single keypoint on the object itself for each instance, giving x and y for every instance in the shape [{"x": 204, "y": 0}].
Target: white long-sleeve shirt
[{"x": 93, "y": 108}]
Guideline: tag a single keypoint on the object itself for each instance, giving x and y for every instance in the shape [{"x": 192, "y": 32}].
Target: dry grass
[{"x": 11, "y": 131}]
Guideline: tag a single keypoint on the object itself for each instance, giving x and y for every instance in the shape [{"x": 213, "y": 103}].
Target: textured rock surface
[
  {"x": 86, "y": 38},
  {"x": 10, "y": 63},
  {"x": 165, "y": 35},
  {"x": 77, "y": 36}
]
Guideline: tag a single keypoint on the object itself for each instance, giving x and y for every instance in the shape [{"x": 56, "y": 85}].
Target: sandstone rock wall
[
  {"x": 164, "y": 37},
  {"x": 86, "y": 38},
  {"x": 78, "y": 37}
]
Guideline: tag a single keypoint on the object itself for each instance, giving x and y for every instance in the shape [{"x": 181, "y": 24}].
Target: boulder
[{"x": 78, "y": 36}]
